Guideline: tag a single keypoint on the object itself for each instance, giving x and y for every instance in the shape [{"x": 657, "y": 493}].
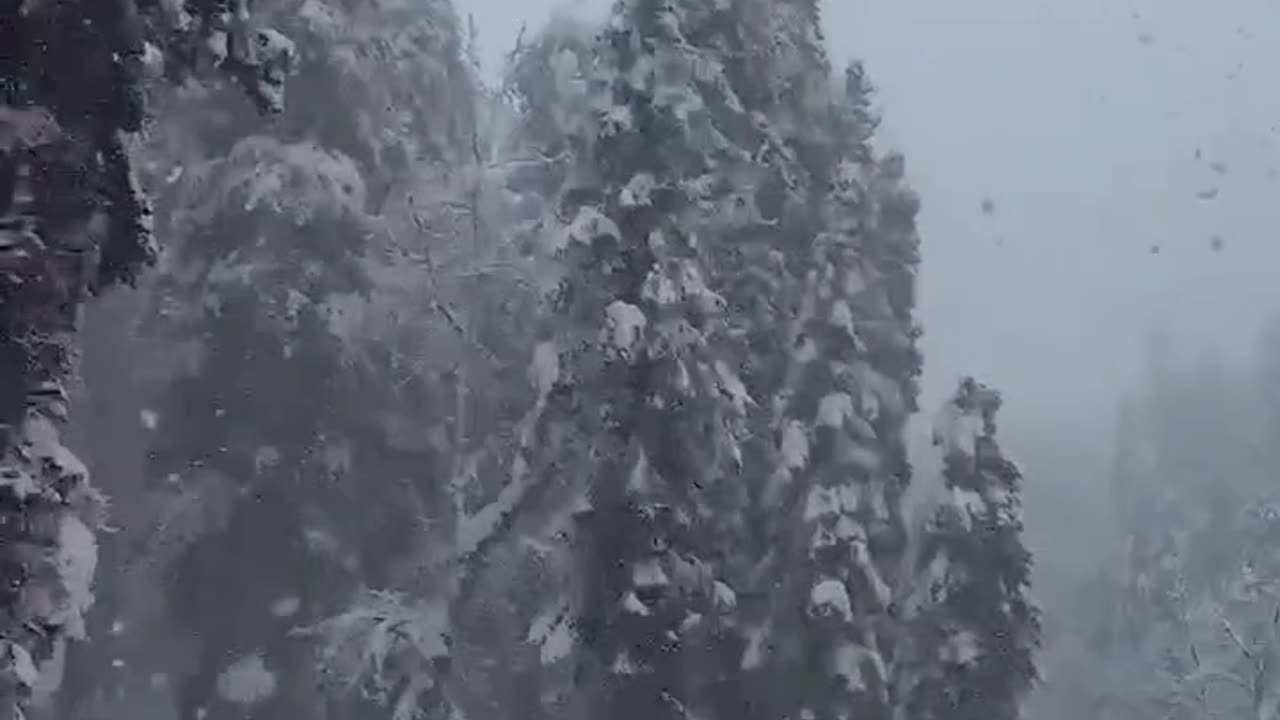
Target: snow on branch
[
  {"x": 385, "y": 641},
  {"x": 967, "y": 416}
]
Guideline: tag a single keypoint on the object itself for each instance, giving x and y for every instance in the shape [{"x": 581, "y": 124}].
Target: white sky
[{"x": 1081, "y": 121}]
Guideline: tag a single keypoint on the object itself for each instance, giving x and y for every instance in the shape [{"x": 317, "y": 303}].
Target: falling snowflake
[
  {"x": 286, "y": 606},
  {"x": 247, "y": 681}
]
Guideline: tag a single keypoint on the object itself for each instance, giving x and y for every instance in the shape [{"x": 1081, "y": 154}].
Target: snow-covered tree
[
  {"x": 1194, "y": 495},
  {"x": 299, "y": 421},
  {"x": 1227, "y": 666},
  {"x": 400, "y": 72},
  {"x": 74, "y": 221},
  {"x": 267, "y": 301},
  {"x": 972, "y": 629},
  {"x": 752, "y": 211},
  {"x": 822, "y": 287},
  {"x": 641, "y": 376}
]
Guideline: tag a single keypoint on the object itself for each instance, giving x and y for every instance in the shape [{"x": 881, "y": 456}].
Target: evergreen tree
[
  {"x": 1197, "y": 501},
  {"x": 262, "y": 420},
  {"x": 973, "y": 630},
  {"x": 301, "y": 302},
  {"x": 554, "y": 101},
  {"x": 642, "y": 377},
  {"x": 833, "y": 268},
  {"x": 74, "y": 221}
]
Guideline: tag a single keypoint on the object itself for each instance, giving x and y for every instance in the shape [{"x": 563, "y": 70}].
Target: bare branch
[{"x": 1235, "y": 638}]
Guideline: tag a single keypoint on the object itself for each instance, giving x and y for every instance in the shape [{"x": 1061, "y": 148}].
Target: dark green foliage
[
  {"x": 73, "y": 220},
  {"x": 644, "y": 348},
  {"x": 973, "y": 631}
]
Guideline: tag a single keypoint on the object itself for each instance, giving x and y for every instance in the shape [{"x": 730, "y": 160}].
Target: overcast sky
[{"x": 1081, "y": 121}]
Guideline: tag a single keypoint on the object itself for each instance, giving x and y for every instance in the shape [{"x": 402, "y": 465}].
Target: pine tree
[
  {"x": 439, "y": 397},
  {"x": 73, "y": 221},
  {"x": 262, "y": 423},
  {"x": 641, "y": 377},
  {"x": 302, "y": 298},
  {"x": 973, "y": 630},
  {"x": 831, "y": 270}
]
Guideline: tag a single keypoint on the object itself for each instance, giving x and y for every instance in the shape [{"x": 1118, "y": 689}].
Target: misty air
[{"x": 639, "y": 360}]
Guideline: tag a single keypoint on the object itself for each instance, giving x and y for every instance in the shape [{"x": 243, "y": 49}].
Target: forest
[{"x": 339, "y": 381}]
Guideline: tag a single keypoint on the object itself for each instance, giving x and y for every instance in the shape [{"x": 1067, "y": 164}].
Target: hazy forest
[{"x": 342, "y": 378}]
